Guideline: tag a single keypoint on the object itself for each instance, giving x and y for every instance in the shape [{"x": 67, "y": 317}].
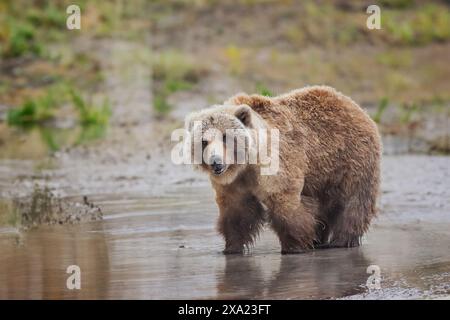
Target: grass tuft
[
  {"x": 262, "y": 90},
  {"x": 19, "y": 40},
  {"x": 382, "y": 107},
  {"x": 89, "y": 114},
  {"x": 33, "y": 111}
]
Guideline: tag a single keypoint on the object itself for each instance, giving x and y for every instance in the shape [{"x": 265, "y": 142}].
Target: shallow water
[{"x": 166, "y": 247}]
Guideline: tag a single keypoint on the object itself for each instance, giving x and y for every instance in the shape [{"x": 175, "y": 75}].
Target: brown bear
[{"x": 324, "y": 193}]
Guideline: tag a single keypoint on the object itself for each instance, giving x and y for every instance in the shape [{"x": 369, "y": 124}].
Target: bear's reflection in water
[{"x": 315, "y": 275}]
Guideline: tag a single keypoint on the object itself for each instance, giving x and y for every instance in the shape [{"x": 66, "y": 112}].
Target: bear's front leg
[
  {"x": 292, "y": 221},
  {"x": 240, "y": 220}
]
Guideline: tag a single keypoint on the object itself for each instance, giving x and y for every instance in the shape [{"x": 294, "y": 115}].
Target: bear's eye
[{"x": 204, "y": 144}]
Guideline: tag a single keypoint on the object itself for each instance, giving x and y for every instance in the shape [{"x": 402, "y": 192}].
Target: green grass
[
  {"x": 33, "y": 114},
  {"x": 161, "y": 105},
  {"x": 168, "y": 87},
  {"x": 57, "y": 138},
  {"x": 41, "y": 109},
  {"x": 88, "y": 113},
  {"x": 48, "y": 16},
  {"x": 172, "y": 86},
  {"x": 19, "y": 40},
  {"x": 50, "y": 138},
  {"x": 90, "y": 133},
  {"x": 407, "y": 111},
  {"x": 382, "y": 107},
  {"x": 33, "y": 111},
  {"x": 264, "y": 91},
  {"x": 403, "y": 22},
  {"x": 25, "y": 28},
  {"x": 426, "y": 24}
]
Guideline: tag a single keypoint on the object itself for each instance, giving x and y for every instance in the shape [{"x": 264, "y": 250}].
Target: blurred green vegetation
[
  {"x": 45, "y": 85},
  {"x": 263, "y": 90},
  {"x": 33, "y": 111},
  {"x": 161, "y": 105},
  {"x": 19, "y": 40},
  {"x": 408, "y": 110},
  {"x": 428, "y": 24},
  {"x": 404, "y": 22},
  {"x": 25, "y": 26},
  {"x": 88, "y": 113},
  {"x": 43, "y": 108},
  {"x": 382, "y": 107},
  {"x": 57, "y": 138},
  {"x": 213, "y": 49},
  {"x": 39, "y": 113}
]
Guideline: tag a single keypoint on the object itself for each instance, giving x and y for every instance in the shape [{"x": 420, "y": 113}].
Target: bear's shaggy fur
[{"x": 324, "y": 194}]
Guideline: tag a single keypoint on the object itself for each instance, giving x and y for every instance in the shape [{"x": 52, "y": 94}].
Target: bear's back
[{"x": 314, "y": 107}]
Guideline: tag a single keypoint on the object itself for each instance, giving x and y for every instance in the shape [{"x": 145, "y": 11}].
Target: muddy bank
[{"x": 44, "y": 207}]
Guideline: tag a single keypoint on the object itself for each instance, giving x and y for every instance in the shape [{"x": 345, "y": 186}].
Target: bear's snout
[{"x": 217, "y": 164}]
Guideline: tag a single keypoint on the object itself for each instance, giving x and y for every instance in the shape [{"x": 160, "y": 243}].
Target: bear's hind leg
[{"x": 350, "y": 225}]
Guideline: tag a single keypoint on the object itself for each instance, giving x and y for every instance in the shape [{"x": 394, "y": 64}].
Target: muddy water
[{"x": 165, "y": 246}]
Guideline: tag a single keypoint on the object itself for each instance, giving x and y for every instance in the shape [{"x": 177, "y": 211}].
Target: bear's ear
[{"x": 244, "y": 114}]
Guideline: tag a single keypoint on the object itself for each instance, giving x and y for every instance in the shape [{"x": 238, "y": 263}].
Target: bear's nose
[{"x": 216, "y": 163}]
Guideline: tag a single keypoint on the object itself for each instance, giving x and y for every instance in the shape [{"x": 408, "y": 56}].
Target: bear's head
[{"x": 221, "y": 140}]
